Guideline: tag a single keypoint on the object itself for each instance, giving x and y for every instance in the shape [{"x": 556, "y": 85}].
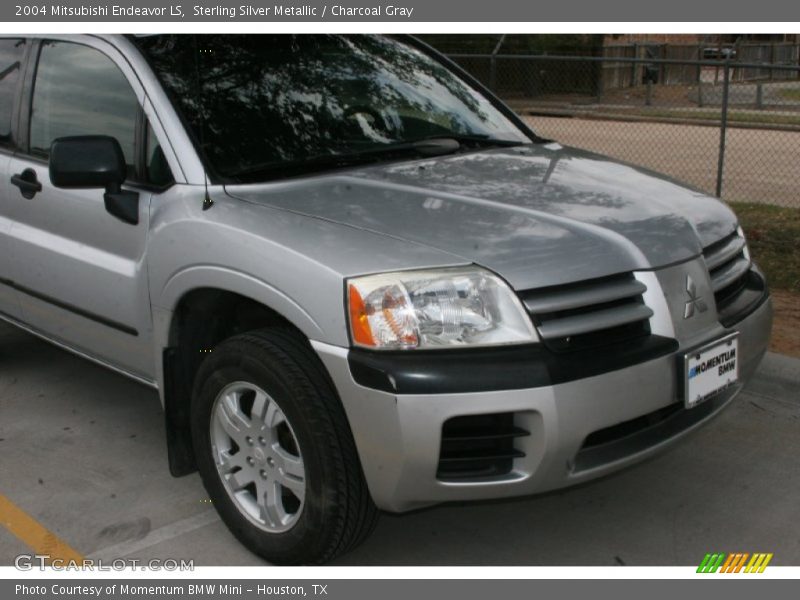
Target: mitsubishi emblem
[{"x": 694, "y": 301}]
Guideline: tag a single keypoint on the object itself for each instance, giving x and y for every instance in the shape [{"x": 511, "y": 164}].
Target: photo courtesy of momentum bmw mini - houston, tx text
[{"x": 359, "y": 281}]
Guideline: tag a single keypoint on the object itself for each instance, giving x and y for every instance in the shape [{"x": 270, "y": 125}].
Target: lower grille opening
[
  {"x": 623, "y": 430},
  {"x": 626, "y": 439},
  {"x": 479, "y": 446}
]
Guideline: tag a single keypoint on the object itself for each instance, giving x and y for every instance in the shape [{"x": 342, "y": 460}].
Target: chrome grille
[
  {"x": 738, "y": 287},
  {"x": 589, "y": 313},
  {"x": 728, "y": 263}
]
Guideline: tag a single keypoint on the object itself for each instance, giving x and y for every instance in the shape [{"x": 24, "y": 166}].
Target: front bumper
[{"x": 399, "y": 436}]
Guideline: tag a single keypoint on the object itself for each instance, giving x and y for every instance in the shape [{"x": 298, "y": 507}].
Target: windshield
[{"x": 257, "y": 103}]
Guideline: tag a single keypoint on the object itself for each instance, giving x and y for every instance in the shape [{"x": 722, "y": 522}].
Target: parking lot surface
[
  {"x": 761, "y": 165},
  {"x": 83, "y": 453}
]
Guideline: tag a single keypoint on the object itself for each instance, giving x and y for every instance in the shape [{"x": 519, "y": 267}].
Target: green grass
[
  {"x": 733, "y": 115},
  {"x": 773, "y": 236},
  {"x": 790, "y": 94}
]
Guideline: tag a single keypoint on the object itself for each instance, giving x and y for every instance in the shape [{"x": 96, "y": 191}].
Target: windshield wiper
[
  {"x": 424, "y": 147},
  {"x": 453, "y": 142},
  {"x": 481, "y": 141},
  {"x": 280, "y": 168}
]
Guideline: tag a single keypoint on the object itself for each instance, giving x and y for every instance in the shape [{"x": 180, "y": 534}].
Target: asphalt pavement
[{"x": 760, "y": 164}]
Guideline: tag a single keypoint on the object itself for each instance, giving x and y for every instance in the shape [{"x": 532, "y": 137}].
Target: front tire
[{"x": 275, "y": 451}]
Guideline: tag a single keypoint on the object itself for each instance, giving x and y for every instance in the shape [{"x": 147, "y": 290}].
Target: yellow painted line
[{"x": 33, "y": 534}]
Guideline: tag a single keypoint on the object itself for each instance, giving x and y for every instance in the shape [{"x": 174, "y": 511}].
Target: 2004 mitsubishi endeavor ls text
[{"x": 357, "y": 279}]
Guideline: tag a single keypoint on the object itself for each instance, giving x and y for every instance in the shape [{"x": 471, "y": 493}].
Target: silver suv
[{"x": 357, "y": 280}]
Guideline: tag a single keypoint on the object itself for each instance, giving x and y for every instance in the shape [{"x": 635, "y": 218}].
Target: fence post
[
  {"x": 723, "y": 130},
  {"x": 771, "y": 60},
  {"x": 699, "y": 67},
  {"x": 493, "y": 64},
  {"x": 599, "y": 73}
]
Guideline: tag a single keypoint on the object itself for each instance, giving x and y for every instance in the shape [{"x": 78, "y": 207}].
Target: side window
[
  {"x": 80, "y": 91},
  {"x": 156, "y": 167},
  {"x": 11, "y": 52}
]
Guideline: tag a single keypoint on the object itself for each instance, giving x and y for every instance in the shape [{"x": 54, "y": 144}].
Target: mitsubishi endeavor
[{"x": 358, "y": 281}]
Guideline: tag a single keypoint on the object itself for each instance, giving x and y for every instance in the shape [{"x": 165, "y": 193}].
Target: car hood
[{"x": 537, "y": 215}]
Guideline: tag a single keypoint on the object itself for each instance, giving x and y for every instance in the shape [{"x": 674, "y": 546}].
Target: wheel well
[{"x": 203, "y": 318}]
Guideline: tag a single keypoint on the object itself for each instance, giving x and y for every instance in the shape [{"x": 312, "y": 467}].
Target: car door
[
  {"x": 12, "y": 55},
  {"x": 80, "y": 271}
]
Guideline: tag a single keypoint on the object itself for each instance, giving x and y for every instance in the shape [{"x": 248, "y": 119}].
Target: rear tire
[{"x": 275, "y": 450}]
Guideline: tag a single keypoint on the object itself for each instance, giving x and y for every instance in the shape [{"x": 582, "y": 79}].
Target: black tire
[{"x": 338, "y": 512}]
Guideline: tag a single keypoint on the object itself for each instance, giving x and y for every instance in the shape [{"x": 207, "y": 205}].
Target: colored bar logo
[{"x": 736, "y": 562}]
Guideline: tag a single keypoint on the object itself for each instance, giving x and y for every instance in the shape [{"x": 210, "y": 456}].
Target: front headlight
[{"x": 441, "y": 308}]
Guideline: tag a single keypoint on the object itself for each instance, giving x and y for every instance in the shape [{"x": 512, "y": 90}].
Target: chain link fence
[{"x": 724, "y": 120}]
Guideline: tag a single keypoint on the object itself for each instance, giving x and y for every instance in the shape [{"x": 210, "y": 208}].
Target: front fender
[
  {"x": 231, "y": 280},
  {"x": 224, "y": 279}
]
